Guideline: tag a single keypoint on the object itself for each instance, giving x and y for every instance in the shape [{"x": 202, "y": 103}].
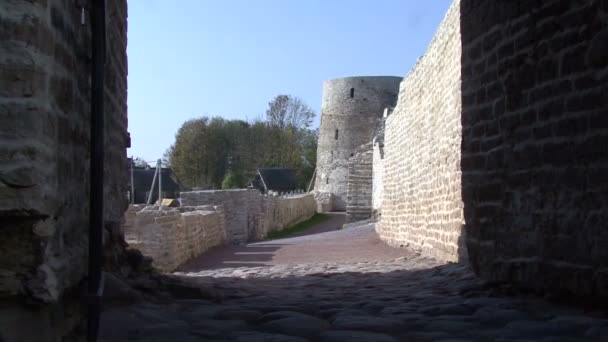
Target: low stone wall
[
  {"x": 242, "y": 208},
  {"x": 282, "y": 212},
  {"x": 172, "y": 236},
  {"x": 250, "y": 215}
]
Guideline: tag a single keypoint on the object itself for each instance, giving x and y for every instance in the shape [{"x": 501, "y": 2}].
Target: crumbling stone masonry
[
  {"x": 172, "y": 236},
  {"x": 242, "y": 208},
  {"x": 44, "y": 166},
  {"x": 250, "y": 215}
]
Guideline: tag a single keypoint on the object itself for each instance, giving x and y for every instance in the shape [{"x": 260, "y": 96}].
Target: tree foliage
[
  {"x": 233, "y": 181},
  {"x": 215, "y": 152},
  {"x": 140, "y": 162}
]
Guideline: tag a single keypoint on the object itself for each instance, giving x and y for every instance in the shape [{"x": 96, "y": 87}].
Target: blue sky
[{"x": 229, "y": 58}]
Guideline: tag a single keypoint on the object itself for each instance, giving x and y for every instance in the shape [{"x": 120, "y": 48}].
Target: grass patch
[{"x": 302, "y": 226}]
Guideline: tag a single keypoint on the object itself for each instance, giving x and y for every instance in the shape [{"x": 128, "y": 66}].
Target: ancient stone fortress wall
[
  {"x": 535, "y": 143},
  {"x": 325, "y": 201},
  {"x": 279, "y": 212},
  {"x": 349, "y": 112},
  {"x": 496, "y": 152},
  {"x": 172, "y": 236},
  {"x": 422, "y": 204},
  {"x": 359, "y": 190},
  {"x": 44, "y": 160},
  {"x": 242, "y": 208},
  {"x": 250, "y": 215}
]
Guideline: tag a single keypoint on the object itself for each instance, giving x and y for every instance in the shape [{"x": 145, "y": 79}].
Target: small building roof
[
  {"x": 278, "y": 179},
  {"x": 142, "y": 178}
]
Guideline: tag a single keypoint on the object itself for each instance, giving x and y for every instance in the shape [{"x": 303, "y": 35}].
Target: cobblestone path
[{"x": 395, "y": 295}]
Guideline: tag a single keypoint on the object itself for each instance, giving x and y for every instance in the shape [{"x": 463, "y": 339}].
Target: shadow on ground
[
  {"x": 256, "y": 254},
  {"x": 400, "y": 300}
]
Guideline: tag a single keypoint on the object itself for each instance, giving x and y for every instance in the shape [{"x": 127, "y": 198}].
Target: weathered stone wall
[
  {"x": 251, "y": 215},
  {"x": 422, "y": 204},
  {"x": 172, "y": 236},
  {"x": 242, "y": 208},
  {"x": 279, "y": 213},
  {"x": 535, "y": 142},
  {"x": 359, "y": 191},
  {"x": 44, "y": 160},
  {"x": 325, "y": 201},
  {"x": 348, "y": 122}
]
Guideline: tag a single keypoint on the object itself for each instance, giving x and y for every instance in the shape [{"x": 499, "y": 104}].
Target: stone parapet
[
  {"x": 250, "y": 215},
  {"x": 172, "y": 236}
]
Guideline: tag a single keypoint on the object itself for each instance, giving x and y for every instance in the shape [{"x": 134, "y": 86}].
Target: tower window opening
[
  {"x": 352, "y": 92},
  {"x": 336, "y": 135},
  {"x": 327, "y": 180}
]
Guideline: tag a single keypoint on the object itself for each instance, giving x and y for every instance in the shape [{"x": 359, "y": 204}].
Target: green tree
[
  {"x": 233, "y": 181},
  {"x": 289, "y": 111},
  {"x": 140, "y": 162},
  {"x": 287, "y": 116},
  {"x": 188, "y": 155},
  {"x": 215, "y": 152}
]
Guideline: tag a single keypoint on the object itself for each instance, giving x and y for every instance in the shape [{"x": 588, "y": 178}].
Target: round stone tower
[{"x": 349, "y": 113}]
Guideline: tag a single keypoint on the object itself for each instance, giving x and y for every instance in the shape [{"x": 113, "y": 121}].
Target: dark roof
[
  {"x": 278, "y": 179},
  {"x": 142, "y": 179}
]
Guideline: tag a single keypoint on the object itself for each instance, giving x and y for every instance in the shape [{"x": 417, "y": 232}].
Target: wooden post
[
  {"x": 152, "y": 188},
  {"x": 312, "y": 179},
  {"x": 132, "y": 184},
  {"x": 160, "y": 182}
]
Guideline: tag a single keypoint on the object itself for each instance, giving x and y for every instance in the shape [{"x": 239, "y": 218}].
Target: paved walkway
[
  {"x": 322, "y": 243},
  {"x": 317, "y": 288}
]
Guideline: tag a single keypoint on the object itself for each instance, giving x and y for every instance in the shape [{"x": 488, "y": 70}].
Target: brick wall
[
  {"x": 44, "y": 152},
  {"x": 359, "y": 185},
  {"x": 172, "y": 236},
  {"x": 535, "y": 142},
  {"x": 422, "y": 205}
]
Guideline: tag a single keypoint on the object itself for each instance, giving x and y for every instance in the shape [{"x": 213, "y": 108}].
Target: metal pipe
[{"x": 96, "y": 214}]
